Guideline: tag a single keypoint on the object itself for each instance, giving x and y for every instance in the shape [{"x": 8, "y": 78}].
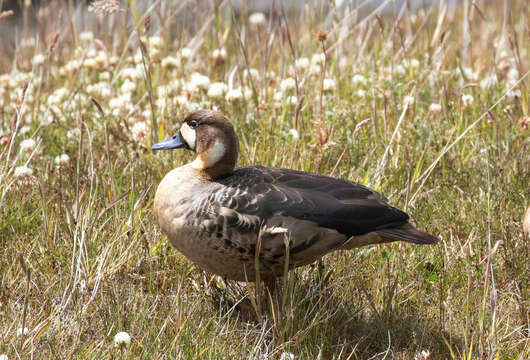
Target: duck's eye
[{"x": 193, "y": 124}]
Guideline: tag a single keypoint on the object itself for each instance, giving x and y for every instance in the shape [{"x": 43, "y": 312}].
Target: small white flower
[
  {"x": 139, "y": 131},
  {"x": 400, "y": 70},
  {"x": 3, "y": 357},
  {"x": 302, "y": 64},
  {"x": 86, "y": 36},
  {"x": 489, "y": 81},
  {"x": 287, "y": 356},
  {"x": 156, "y": 42},
  {"x": 408, "y": 100},
  {"x": 73, "y": 134},
  {"x": 293, "y": 100},
  {"x": 185, "y": 53},
  {"x": 361, "y": 93},
  {"x": 315, "y": 70},
  {"x": 329, "y": 85},
  {"x": 252, "y": 73},
  {"x": 294, "y": 134},
  {"x": 198, "y": 81},
  {"x": 131, "y": 73},
  {"x": 22, "y": 331},
  {"x": 128, "y": 86},
  {"x": 170, "y": 62},
  {"x": 467, "y": 100},
  {"x": 287, "y": 84},
  {"x": 359, "y": 79},
  {"x": 122, "y": 339},
  {"x": 62, "y": 159},
  {"x": 257, "y": 19},
  {"x": 318, "y": 59},
  {"x": 104, "y": 76},
  {"x": 27, "y": 145},
  {"x": 435, "y": 108},
  {"x": 423, "y": 355},
  {"x": 217, "y": 90},
  {"x": 470, "y": 74},
  {"x": 415, "y": 63},
  {"x": 38, "y": 59},
  {"x": 234, "y": 95}
]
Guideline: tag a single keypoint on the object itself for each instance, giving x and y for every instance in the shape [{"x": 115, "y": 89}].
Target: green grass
[{"x": 100, "y": 265}]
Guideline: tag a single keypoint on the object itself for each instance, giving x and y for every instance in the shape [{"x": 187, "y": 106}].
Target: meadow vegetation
[{"x": 429, "y": 108}]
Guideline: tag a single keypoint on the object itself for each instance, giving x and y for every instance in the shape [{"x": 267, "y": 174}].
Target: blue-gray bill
[{"x": 175, "y": 142}]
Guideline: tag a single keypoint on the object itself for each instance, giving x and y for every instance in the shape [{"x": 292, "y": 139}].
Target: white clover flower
[
  {"x": 287, "y": 84},
  {"x": 359, "y": 79},
  {"x": 361, "y": 93},
  {"x": 219, "y": 56},
  {"x": 170, "y": 62},
  {"x": 27, "y": 145},
  {"x": 329, "y": 85},
  {"x": 122, "y": 339},
  {"x": 24, "y": 130},
  {"x": 315, "y": 69},
  {"x": 253, "y": 73},
  {"x": 38, "y": 59},
  {"x": 470, "y": 74},
  {"x": 512, "y": 76},
  {"x": 21, "y": 172},
  {"x": 156, "y": 42},
  {"x": 257, "y": 19},
  {"x": 185, "y": 53},
  {"x": 90, "y": 63},
  {"x": 287, "y": 356},
  {"x": 62, "y": 159},
  {"x": 139, "y": 131},
  {"x": 131, "y": 73},
  {"x": 489, "y": 81},
  {"x": 302, "y": 64},
  {"x": 128, "y": 86},
  {"x": 86, "y": 36},
  {"x": 104, "y": 76},
  {"x": 277, "y": 96},
  {"x": 217, "y": 90},
  {"x": 423, "y": 355},
  {"x": 467, "y": 100},
  {"x": 408, "y": 100},
  {"x": 415, "y": 63},
  {"x": 400, "y": 70},
  {"x": 294, "y": 134},
  {"x": 73, "y": 134},
  {"x": 3, "y": 357},
  {"x": 318, "y": 59},
  {"x": 234, "y": 95},
  {"x": 435, "y": 108},
  {"x": 198, "y": 81}
]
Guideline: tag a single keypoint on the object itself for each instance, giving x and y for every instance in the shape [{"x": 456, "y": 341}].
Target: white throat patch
[
  {"x": 210, "y": 157},
  {"x": 188, "y": 134}
]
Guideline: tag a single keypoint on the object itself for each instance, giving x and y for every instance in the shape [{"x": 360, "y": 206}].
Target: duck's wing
[
  {"x": 319, "y": 213},
  {"x": 347, "y": 207}
]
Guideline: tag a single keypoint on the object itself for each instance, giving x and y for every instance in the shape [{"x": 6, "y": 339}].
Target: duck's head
[{"x": 212, "y": 137}]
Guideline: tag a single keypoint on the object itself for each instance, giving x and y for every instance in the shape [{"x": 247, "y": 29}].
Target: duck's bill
[{"x": 175, "y": 142}]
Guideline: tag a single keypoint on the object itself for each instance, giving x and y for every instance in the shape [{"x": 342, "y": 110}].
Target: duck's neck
[{"x": 217, "y": 161}]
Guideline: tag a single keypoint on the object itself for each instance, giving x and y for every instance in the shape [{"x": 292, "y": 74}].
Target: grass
[{"x": 83, "y": 257}]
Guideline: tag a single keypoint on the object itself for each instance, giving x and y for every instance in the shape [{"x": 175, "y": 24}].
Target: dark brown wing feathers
[{"x": 348, "y": 207}]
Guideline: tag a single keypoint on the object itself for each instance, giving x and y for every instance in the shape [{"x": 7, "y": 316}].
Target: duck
[{"x": 255, "y": 221}]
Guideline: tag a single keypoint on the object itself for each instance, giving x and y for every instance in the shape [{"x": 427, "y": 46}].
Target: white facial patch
[
  {"x": 210, "y": 157},
  {"x": 188, "y": 134}
]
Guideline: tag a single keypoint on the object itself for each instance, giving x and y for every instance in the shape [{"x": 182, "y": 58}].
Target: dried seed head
[
  {"x": 321, "y": 35},
  {"x": 104, "y": 7}
]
